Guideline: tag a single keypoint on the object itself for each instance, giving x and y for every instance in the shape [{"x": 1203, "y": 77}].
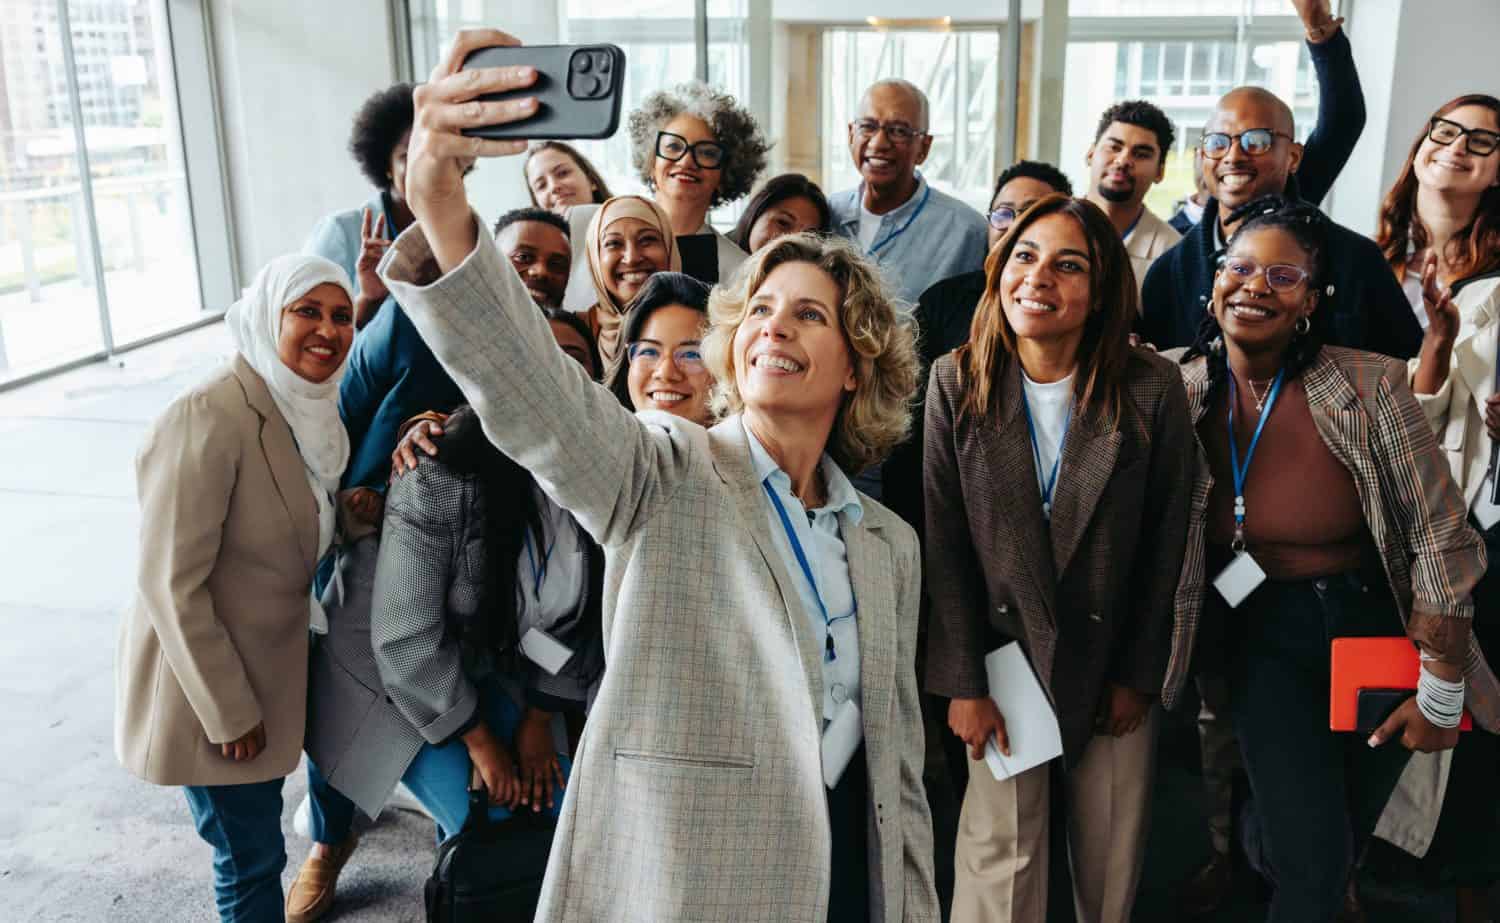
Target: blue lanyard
[
  {"x": 1036, "y": 452},
  {"x": 829, "y": 654},
  {"x": 902, "y": 230},
  {"x": 538, "y": 575},
  {"x": 1242, "y": 471}
]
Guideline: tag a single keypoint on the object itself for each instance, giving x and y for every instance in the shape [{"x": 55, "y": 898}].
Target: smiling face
[
  {"x": 1255, "y": 318},
  {"x": 556, "y": 181},
  {"x": 1045, "y": 284},
  {"x": 1124, "y": 163},
  {"x": 317, "y": 330},
  {"x": 666, "y": 364},
  {"x": 1017, "y": 195},
  {"x": 790, "y": 354},
  {"x": 683, "y": 182},
  {"x": 882, "y": 162},
  {"x": 1450, "y": 168},
  {"x": 542, "y": 257},
  {"x": 1239, "y": 178},
  {"x": 789, "y": 216},
  {"x": 629, "y": 252}
]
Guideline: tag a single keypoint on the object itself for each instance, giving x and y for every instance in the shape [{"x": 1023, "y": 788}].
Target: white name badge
[
  {"x": 545, "y": 651},
  {"x": 1239, "y": 579},
  {"x": 840, "y": 739}
]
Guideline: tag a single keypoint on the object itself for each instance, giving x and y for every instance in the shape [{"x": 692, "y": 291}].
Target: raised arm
[
  {"x": 594, "y": 458},
  {"x": 1341, "y": 101}
]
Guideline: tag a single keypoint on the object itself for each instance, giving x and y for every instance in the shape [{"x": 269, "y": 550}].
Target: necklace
[{"x": 1259, "y": 395}]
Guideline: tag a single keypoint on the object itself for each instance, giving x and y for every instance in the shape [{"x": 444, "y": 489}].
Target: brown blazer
[
  {"x": 1092, "y": 599},
  {"x": 216, "y": 640}
]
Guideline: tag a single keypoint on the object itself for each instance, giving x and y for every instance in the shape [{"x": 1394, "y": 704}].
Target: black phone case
[
  {"x": 579, "y": 89},
  {"x": 1376, "y": 705}
]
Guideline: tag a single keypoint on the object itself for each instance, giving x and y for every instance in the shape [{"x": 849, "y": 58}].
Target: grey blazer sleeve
[
  {"x": 595, "y": 459},
  {"x": 420, "y": 664}
]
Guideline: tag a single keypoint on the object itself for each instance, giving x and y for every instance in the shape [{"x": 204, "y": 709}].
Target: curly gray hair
[{"x": 745, "y": 146}]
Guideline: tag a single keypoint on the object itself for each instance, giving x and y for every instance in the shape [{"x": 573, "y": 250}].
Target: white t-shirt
[
  {"x": 1412, "y": 286},
  {"x": 869, "y": 226},
  {"x": 1049, "y": 405}
]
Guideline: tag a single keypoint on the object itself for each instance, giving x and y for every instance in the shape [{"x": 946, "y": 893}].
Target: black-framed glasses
[
  {"x": 1003, "y": 217},
  {"x": 897, "y": 132},
  {"x": 688, "y": 357},
  {"x": 1476, "y": 140},
  {"x": 1280, "y": 277},
  {"x": 1256, "y": 141},
  {"x": 709, "y": 155}
]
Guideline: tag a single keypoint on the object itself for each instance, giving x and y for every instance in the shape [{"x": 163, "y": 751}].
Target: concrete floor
[{"x": 80, "y": 839}]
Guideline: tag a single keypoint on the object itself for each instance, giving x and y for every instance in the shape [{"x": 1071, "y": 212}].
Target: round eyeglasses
[
  {"x": 1003, "y": 217},
  {"x": 1280, "y": 277},
  {"x": 688, "y": 358},
  {"x": 899, "y": 133},
  {"x": 1255, "y": 142}
]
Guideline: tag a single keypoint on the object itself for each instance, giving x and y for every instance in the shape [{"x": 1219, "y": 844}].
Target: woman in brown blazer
[
  {"x": 236, "y": 483},
  {"x": 1059, "y": 475}
]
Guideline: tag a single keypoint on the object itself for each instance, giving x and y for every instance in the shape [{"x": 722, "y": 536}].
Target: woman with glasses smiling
[
  {"x": 662, "y": 366},
  {"x": 1331, "y": 514},
  {"x": 695, "y": 148},
  {"x": 1440, "y": 231}
]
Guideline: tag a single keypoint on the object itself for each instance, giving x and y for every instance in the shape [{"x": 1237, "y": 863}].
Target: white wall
[{"x": 1413, "y": 56}]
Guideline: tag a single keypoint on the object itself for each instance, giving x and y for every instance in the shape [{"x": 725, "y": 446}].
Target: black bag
[{"x": 490, "y": 870}]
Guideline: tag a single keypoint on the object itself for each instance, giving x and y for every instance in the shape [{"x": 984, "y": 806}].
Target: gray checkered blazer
[{"x": 697, "y": 790}]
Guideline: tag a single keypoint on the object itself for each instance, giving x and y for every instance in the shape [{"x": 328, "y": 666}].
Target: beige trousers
[{"x": 1000, "y": 866}]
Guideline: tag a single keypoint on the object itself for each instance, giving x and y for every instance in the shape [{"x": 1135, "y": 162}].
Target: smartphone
[{"x": 578, "y": 90}]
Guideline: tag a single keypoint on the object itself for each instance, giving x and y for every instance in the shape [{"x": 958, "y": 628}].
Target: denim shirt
[{"x": 930, "y": 237}]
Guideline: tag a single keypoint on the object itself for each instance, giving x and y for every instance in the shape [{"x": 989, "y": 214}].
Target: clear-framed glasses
[
  {"x": 1476, "y": 140},
  {"x": 1003, "y": 217},
  {"x": 1256, "y": 141},
  {"x": 899, "y": 133},
  {"x": 688, "y": 358},
  {"x": 709, "y": 155},
  {"x": 1280, "y": 277}
]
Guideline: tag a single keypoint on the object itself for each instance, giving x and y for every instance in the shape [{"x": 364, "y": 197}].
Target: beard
[{"x": 1117, "y": 194}]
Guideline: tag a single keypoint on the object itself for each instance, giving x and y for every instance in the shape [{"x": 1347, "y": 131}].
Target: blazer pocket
[{"x": 685, "y": 761}]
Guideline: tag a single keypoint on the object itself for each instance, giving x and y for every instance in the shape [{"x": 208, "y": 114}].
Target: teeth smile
[
  {"x": 634, "y": 276},
  {"x": 1032, "y": 305},
  {"x": 666, "y": 397},
  {"x": 778, "y": 362},
  {"x": 1250, "y": 311},
  {"x": 1235, "y": 180}
]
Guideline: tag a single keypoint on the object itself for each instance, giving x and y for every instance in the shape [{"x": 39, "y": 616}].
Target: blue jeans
[
  {"x": 1317, "y": 793},
  {"x": 438, "y": 776},
  {"x": 243, "y": 825}
]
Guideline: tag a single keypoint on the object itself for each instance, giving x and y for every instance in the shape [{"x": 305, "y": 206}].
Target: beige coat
[
  {"x": 1151, "y": 238},
  {"x": 697, "y": 790},
  {"x": 216, "y": 640}
]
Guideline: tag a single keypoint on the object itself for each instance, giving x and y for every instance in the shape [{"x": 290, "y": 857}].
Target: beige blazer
[
  {"x": 216, "y": 640},
  {"x": 697, "y": 789},
  {"x": 1151, "y": 238}
]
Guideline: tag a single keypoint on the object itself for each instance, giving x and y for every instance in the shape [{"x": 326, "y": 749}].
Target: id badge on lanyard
[{"x": 1243, "y": 574}]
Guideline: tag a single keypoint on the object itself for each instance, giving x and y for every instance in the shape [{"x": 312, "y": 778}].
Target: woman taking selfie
[
  {"x": 1333, "y": 509},
  {"x": 236, "y": 483},
  {"x": 755, "y": 742},
  {"x": 1440, "y": 231},
  {"x": 1080, "y": 566}
]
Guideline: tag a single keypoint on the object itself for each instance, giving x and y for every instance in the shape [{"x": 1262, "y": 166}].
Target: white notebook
[{"x": 1030, "y": 722}]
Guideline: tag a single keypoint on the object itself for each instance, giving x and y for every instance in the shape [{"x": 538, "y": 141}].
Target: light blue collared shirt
[
  {"x": 823, "y": 544},
  {"x": 930, "y": 237}
]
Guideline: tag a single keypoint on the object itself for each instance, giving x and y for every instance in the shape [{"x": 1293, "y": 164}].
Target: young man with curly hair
[{"x": 1127, "y": 158}]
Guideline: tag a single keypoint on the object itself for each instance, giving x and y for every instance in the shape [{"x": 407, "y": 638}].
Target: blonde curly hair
[{"x": 876, "y": 416}]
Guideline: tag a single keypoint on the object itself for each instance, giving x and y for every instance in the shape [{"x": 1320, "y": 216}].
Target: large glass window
[{"x": 130, "y": 220}]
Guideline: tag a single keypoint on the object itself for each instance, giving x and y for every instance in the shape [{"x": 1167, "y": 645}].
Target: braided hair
[{"x": 1310, "y": 228}]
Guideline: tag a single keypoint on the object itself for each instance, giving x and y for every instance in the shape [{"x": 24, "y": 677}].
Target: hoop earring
[{"x": 1304, "y": 325}]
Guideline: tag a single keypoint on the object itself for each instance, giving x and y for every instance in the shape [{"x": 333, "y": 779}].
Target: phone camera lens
[
  {"x": 601, "y": 61},
  {"x": 582, "y": 63},
  {"x": 590, "y": 85}
]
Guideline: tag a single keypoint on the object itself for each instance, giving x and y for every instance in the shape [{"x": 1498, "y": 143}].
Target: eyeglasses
[
  {"x": 687, "y": 358},
  {"x": 1280, "y": 277},
  {"x": 1002, "y": 217},
  {"x": 1478, "y": 141},
  {"x": 709, "y": 155},
  {"x": 897, "y": 132},
  {"x": 1256, "y": 141}
]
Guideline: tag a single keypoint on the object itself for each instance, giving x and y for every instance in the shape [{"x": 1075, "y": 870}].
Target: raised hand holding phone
[{"x": 439, "y": 152}]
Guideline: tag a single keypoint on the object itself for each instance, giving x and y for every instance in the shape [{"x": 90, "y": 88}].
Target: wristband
[{"x": 1440, "y": 701}]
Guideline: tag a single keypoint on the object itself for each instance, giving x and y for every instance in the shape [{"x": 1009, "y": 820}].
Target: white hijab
[{"x": 311, "y": 410}]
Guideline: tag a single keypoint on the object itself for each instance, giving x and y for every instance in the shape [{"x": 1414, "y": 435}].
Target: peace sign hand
[
  {"x": 372, "y": 246},
  {"x": 439, "y": 153}
]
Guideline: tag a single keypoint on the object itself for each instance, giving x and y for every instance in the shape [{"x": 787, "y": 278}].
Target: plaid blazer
[
  {"x": 1363, "y": 408},
  {"x": 697, "y": 790},
  {"x": 1093, "y": 599}
]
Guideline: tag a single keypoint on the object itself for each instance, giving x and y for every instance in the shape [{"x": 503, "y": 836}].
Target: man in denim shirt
[{"x": 917, "y": 234}]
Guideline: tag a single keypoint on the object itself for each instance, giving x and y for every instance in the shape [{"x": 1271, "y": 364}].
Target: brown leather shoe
[
  {"x": 311, "y": 893},
  {"x": 1209, "y": 888}
]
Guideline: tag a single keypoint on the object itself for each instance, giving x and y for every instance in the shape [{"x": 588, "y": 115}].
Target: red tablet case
[{"x": 1371, "y": 663}]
